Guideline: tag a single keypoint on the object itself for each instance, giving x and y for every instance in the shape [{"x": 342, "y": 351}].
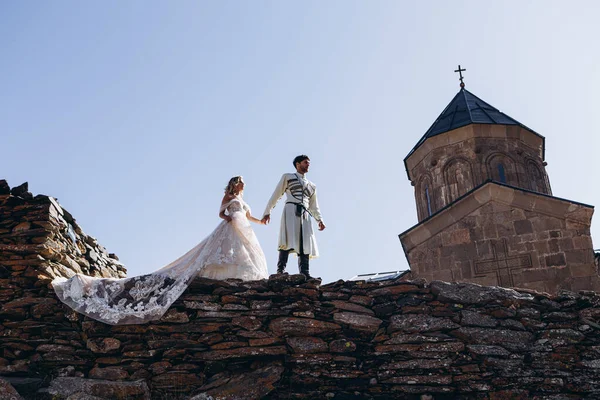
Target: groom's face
[{"x": 302, "y": 167}]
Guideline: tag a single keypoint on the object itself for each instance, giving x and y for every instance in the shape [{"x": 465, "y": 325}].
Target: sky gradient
[{"x": 136, "y": 114}]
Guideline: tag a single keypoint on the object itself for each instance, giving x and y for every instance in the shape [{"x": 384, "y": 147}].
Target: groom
[{"x": 296, "y": 234}]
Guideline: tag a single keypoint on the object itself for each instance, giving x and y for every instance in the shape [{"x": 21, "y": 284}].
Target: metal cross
[{"x": 460, "y": 71}]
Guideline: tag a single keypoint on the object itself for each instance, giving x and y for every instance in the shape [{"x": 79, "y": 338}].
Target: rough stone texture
[
  {"x": 457, "y": 161},
  {"x": 40, "y": 240},
  {"x": 469, "y": 293},
  {"x": 358, "y": 322},
  {"x": 411, "y": 323},
  {"x": 8, "y": 392},
  {"x": 286, "y": 326},
  {"x": 63, "y": 388},
  {"x": 288, "y": 338},
  {"x": 459, "y": 340},
  {"x": 307, "y": 345},
  {"x": 248, "y": 386},
  {"x": 481, "y": 238}
]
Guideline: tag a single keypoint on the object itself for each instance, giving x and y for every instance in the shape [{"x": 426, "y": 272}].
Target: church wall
[
  {"x": 283, "y": 337},
  {"x": 461, "y": 159},
  {"x": 542, "y": 252}
]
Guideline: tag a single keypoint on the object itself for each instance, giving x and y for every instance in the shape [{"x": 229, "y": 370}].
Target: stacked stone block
[
  {"x": 39, "y": 237},
  {"x": 286, "y": 338}
]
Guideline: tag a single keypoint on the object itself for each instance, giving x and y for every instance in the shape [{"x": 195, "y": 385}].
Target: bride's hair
[{"x": 231, "y": 185}]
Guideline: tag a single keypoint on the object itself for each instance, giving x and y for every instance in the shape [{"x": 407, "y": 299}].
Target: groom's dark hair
[{"x": 300, "y": 158}]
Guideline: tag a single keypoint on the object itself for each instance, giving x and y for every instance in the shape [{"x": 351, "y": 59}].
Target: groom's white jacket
[{"x": 298, "y": 190}]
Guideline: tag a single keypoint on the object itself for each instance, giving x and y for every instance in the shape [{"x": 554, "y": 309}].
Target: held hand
[
  {"x": 266, "y": 219},
  {"x": 321, "y": 225}
]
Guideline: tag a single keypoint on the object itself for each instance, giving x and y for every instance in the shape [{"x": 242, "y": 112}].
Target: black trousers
[
  {"x": 302, "y": 258},
  {"x": 303, "y": 266}
]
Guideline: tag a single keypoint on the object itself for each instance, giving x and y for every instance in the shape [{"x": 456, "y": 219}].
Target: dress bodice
[{"x": 236, "y": 205}]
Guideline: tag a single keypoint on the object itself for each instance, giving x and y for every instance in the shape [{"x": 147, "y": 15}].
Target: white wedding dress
[{"x": 230, "y": 251}]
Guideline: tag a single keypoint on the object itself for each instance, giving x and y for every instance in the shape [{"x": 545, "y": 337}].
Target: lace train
[{"x": 230, "y": 251}]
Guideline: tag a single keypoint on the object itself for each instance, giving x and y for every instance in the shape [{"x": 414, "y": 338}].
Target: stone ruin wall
[
  {"x": 39, "y": 238},
  {"x": 281, "y": 338}
]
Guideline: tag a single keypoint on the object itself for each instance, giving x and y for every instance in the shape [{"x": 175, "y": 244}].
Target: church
[{"x": 485, "y": 206}]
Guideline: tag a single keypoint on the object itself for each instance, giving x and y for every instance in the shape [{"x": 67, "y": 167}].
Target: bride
[{"x": 230, "y": 251}]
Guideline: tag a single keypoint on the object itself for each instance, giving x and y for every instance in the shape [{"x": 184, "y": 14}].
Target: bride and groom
[{"x": 230, "y": 251}]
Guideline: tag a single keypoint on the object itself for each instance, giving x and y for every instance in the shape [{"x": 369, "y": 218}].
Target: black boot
[
  {"x": 303, "y": 265},
  {"x": 282, "y": 262}
]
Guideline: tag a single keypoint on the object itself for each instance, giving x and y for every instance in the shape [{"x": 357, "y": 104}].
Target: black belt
[{"x": 300, "y": 209}]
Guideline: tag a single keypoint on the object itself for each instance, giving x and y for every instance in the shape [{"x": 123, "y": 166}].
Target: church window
[
  {"x": 425, "y": 203},
  {"x": 502, "y": 168},
  {"x": 428, "y": 199},
  {"x": 501, "y": 173}
]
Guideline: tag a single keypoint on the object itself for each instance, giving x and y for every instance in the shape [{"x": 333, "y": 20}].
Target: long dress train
[{"x": 230, "y": 251}]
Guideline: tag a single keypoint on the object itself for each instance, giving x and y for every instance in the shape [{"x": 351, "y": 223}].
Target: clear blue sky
[{"x": 135, "y": 114}]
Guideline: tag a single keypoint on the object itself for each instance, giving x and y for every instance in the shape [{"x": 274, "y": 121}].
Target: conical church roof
[{"x": 464, "y": 109}]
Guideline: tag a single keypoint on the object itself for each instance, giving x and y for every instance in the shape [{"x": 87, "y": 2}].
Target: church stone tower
[
  {"x": 485, "y": 207},
  {"x": 484, "y": 144}
]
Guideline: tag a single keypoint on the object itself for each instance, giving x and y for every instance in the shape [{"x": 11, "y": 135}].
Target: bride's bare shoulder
[{"x": 227, "y": 198}]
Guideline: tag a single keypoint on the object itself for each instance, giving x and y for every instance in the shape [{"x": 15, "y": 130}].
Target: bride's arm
[
  {"x": 226, "y": 199},
  {"x": 251, "y": 218}
]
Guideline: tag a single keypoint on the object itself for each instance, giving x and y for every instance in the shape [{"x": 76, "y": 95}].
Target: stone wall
[
  {"x": 504, "y": 236},
  {"x": 448, "y": 165},
  {"x": 285, "y": 338},
  {"x": 40, "y": 240}
]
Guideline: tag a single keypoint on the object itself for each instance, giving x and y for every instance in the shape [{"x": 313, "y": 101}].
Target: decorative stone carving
[{"x": 501, "y": 265}]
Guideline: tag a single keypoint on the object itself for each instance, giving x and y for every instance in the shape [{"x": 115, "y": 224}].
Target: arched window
[
  {"x": 502, "y": 168},
  {"x": 424, "y": 192},
  {"x": 428, "y": 199},
  {"x": 501, "y": 173}
]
